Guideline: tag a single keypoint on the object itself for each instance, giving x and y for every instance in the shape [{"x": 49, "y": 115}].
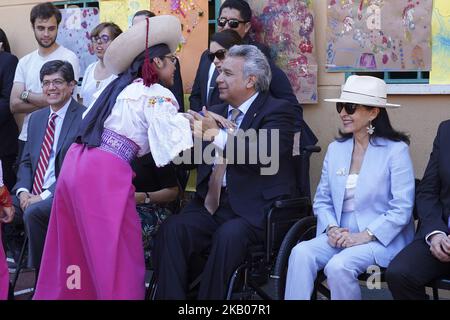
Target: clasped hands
[
  {"x": 440, "y": 247},
  {"x": 206, "y": 124},
  {"x": 26, "y": 199},
  {"x": 342, "y": 238}
]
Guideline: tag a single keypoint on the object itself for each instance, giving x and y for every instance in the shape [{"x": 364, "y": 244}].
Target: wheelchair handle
[{"x": 312, "y": 149}]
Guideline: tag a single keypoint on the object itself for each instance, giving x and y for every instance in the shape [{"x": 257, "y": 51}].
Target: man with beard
[{"x": 26, "y": 94}]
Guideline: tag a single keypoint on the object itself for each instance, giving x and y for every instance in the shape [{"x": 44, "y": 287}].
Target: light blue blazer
[{"x": 384, "y": 194}]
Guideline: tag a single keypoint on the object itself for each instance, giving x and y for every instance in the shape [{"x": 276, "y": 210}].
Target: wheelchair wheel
[{"x": 302, "y": 230}]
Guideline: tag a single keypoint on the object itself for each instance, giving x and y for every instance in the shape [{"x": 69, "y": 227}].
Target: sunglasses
[
  {"x": 350, "y": 108},
  {"x": 219, "y": 54},
  {"x": 103, "y": 38},
  {"x": 232, "y": 23}
]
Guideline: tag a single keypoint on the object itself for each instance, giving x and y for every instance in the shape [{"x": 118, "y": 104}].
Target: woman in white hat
[
  {"x": 93, "y": 247},
  {"x": 364, "y": 199}
]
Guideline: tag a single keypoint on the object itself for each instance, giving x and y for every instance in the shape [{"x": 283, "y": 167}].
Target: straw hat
[
  {"x": 365, "y": 90},
  {"x": 123, "y": 49}
]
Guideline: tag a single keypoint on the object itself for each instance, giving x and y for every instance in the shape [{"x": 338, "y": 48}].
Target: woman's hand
[
  {"x": 354, "y": 239},
  {"x": 336, "y": 234},
  {"x": 7, "y": 214}
]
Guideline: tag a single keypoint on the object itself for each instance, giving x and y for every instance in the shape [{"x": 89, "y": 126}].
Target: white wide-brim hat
[
  {"x": 365, "y": 90},
  {"x": 128, "y": 45}
]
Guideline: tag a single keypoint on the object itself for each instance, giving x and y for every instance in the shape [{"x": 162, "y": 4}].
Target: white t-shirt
[
  {"x": 28, "y": 69},
  {"x": 90, "y": 85}
]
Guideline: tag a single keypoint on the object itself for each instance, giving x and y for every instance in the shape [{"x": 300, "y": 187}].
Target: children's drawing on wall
[
  {"x": 383, "y": 35},
  {"x": 287, "y": 28},
  {"x": 73, "y": 33},
  {"x": 440, "y": 71}
]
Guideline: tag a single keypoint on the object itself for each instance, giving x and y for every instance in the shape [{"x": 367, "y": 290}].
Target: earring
[{"x": 370, "y": 128}]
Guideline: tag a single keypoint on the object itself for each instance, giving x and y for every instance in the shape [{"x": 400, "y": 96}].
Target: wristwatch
[
  {"x": 147, "y": 198},
  {"x": 370, "y": 233},
  {"x": 24, "y": 95}
]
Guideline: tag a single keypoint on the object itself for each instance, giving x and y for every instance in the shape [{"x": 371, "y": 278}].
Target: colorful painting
[
  {"x": 74, "y": 30},
  {"x": 287, "y": 28},
  {"x": 121, "y": 12},
  {"x": 440, "y": 71},
  {"x": 193, "y": 15},
  {"x": 382, "y": 35}
]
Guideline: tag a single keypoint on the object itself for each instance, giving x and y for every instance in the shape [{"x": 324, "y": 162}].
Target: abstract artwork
[
  {"x": 440, "y": 71},
  {"x": 382, "y": 35},
  {"x": 193, "y": 15},
  {"x": 73, "y": 33},
  {"x": 287, "y": 28},
  {"x": 121, "y": 11}
]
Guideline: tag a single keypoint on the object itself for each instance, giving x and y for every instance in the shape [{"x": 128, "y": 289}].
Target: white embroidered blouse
[{"x": 149, "y": 117}]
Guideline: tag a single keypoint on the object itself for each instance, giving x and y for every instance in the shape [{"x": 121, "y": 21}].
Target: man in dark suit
[
  {"x": 236, "y": 15},
  {"x": 428, "y": 256},
  {"x": 8, "y": 128},
  {"x": 228, "y": 211},
  {"x": 51, "y": 131}
]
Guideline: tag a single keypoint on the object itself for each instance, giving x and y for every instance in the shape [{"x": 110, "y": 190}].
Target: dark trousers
[
  {"x": 194, "y": 231},
  {"x": 412, "y": 269},
  {"x": 35, "y": 219}
]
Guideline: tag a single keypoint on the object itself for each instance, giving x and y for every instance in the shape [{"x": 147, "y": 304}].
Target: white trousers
[{"x": 341, "y": 266}]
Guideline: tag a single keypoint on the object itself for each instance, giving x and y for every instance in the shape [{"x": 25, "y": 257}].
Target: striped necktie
[
  {"x": 215, "y": 180},
  {"x": 44, "y": 155}
]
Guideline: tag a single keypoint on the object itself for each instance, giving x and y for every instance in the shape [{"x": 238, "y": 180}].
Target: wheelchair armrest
[
  {"x": 291, "y": 203},
  {"x": 311, "y": 149}
]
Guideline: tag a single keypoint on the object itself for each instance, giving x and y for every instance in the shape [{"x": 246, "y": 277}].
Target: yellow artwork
[
  {"x": 121, "y": 11},
  {"x": 440, "y": 70}
]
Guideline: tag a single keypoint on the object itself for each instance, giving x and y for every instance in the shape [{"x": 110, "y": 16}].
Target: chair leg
[
  {"x": 19, "y": 263},
  {"x": 435, "y": 292}
]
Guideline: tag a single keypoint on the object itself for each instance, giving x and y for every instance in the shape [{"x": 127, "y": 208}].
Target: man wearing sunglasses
[{"x": 236, "y": 15}]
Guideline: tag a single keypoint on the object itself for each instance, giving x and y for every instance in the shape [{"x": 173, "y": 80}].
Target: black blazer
[
  {"x": 250, "y": 193},
  {"x": 280, "y": 88},
  {"x": 433, "y": 192},
  {"x": 8, "y": 128},
  {"x": 36, "y": 131}
]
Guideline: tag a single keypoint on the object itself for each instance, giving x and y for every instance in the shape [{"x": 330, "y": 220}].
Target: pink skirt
[
  {"x": 4, "y": 273},
  {"x": 93, "y": 248}
]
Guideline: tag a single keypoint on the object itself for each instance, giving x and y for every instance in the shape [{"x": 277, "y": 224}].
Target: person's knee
[
  {"x": 35, "y": 214},
  {"x": 338, "y": 267},
  {"x": 301, "y": 254},
  {"x": 231, "y": 235},
  {"x": 395, "y": 273}
]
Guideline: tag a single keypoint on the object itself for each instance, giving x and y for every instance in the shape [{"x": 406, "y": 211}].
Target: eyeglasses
[
  {"x": 104, "y": 38},
  {"x": 350, "y": 108},
  {"x": 232, "y": 23},
  {"x": 56, "y": 83},
  {"x": 172, "y": 59},
  {"x": 219, "y": 54}
]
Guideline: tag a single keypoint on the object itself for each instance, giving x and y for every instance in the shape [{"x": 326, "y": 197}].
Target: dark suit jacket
[
  {"x": 280, "y": 88},
  {"x": 433, "y": 192},
  {"x": 250, "y": 193},
  {"x": 36, "y": 131},
  {"x": 8, "y": 128},
  {"x": 177, "y": 88}
]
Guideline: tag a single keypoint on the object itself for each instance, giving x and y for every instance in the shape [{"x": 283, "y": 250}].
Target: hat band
[{"x": 363, "y": 98}]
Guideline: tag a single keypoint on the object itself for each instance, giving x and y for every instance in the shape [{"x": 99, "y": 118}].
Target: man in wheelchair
[{"x": 228, "y": 212}]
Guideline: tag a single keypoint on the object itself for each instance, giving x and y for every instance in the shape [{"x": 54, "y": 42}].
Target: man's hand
[
  {"x": 440, "y": 247},
  {"x": 23, "y": 198},
  {"x": 204, "y": 127},
  {"x": 27, "y": 199},
  {"x": 7, "y": 214}
]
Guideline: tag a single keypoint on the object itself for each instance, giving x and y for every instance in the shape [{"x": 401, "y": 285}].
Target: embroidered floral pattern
[{"x": 154, "y": 100}]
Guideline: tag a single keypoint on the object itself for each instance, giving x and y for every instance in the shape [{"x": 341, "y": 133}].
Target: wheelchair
[
  {"x": 253, "y": 274},
  {"x": 305, "y": 229}
]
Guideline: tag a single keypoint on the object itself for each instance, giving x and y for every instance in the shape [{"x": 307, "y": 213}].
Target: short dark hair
[
  {"x": 146, "y": 13},
  {"x": 54, "y": 66},
  {"x": 4, "y": 40},
  {"x": 45, "y": 11},
  {"x": 227, "y": 38},
  {"x": 240, "y": 5},
  {"x": 113, "y": 28}
]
